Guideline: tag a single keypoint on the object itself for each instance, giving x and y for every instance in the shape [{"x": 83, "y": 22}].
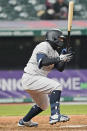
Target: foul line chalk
[{"x": 73, "y": 126}]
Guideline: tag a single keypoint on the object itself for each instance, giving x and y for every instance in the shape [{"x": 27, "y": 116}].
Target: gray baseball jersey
[
  {"x": 34, "y": 79},
  {"x": 32, "y": 65}
]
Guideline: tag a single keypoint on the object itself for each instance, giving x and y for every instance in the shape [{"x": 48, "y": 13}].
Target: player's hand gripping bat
[{"x": 70, "y": 16}]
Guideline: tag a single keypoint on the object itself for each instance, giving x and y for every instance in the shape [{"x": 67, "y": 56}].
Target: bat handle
[{"x": 68, "y": 41}]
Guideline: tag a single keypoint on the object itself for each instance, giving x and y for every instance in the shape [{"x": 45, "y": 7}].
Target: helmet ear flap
[{"x": 55, "y": 39}]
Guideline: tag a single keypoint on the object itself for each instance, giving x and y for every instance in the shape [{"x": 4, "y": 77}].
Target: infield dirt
[{"x": 76, "y": 123}]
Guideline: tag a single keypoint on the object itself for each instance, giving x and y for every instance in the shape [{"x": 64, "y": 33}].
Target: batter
[{"x": 45, "y": 57}]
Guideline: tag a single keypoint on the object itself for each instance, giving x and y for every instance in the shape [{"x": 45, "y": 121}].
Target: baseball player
[{"x": 45, "y": 57}]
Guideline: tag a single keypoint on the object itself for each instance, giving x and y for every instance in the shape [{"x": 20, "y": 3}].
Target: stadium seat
[{"x": 33, "y": 9}]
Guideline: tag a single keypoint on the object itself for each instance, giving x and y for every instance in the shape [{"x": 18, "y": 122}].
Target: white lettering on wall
[
  {"x": 67, "y": 83},
  {"x": 10, "y": 84},
  {"x": 76, "y": 83},
  {"x": 70, "y": 83},
  {"x": 13, "y": 84}
]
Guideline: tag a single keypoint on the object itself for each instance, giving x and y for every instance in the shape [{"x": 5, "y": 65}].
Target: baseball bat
[{"x": 70, "y": 17}]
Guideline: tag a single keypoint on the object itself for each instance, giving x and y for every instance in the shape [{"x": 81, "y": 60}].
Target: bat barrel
[{"x": 70, "y": 16}]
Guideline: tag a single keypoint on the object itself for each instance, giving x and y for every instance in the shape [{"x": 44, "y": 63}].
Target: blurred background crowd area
[{"x": 40, "y": 9}]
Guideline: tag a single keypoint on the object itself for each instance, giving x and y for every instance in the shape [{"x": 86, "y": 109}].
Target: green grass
[{"x": 20, "y": 110}]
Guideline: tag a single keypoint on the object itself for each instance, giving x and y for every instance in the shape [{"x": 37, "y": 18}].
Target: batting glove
[
  {"x": 66, "y": 57},
  {"x": 64, "y": 51}
]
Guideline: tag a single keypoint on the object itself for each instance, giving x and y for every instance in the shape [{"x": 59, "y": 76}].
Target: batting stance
[{"x": 45, "y": 57}]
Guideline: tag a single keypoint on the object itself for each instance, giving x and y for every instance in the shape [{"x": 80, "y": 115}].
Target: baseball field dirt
[{"x": 76, "y": 123}]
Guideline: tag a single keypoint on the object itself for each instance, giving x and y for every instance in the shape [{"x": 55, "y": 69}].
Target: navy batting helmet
[{"x": 54, "y": 38}]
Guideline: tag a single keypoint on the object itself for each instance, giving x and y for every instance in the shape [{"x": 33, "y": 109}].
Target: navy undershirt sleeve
[{"x": 39, "y": 59}]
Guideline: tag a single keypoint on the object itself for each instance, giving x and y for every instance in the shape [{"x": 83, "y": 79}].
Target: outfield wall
[
  {"x": 74, "y": 84},
  {"x": 39, "y": 28}
]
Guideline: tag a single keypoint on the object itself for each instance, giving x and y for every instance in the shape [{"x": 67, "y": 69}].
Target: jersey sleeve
[
  {"x": 42, "y": 48},
  {"x": 42, "y": 51}
]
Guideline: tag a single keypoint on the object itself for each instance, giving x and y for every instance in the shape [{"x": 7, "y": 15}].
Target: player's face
[
  {"x": 61, "y": 39},
  {"x": 60, "y": 43}
]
